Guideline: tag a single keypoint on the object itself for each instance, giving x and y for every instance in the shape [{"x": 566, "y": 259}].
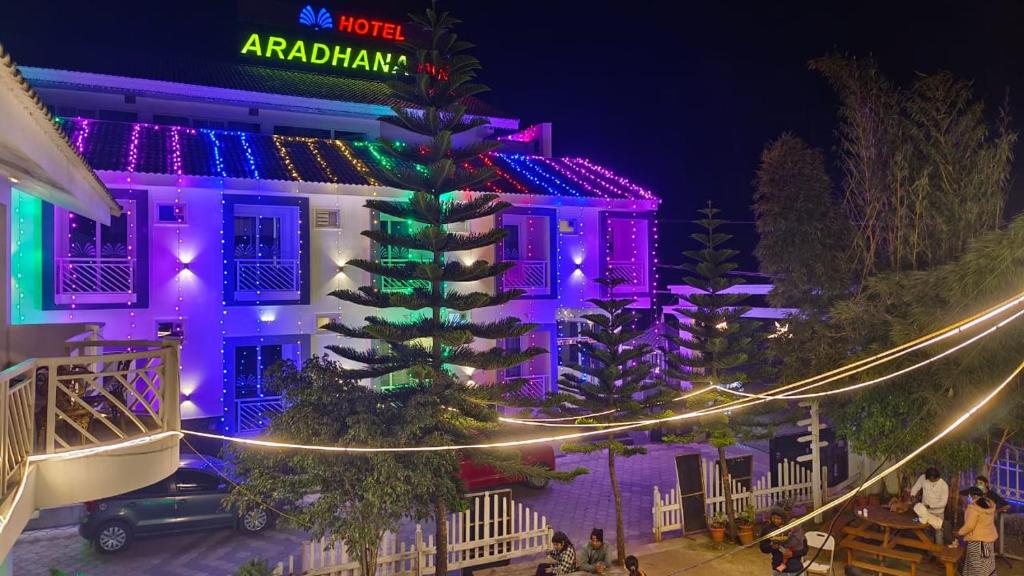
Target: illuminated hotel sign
[{"x": 345, "y": 52}]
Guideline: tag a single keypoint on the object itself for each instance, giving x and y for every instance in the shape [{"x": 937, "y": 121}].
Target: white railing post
[
  {"x": 170, "y": 403},
  {"x": 420, "y": 552},
  {"x": 51, "y": 404},
  {"x": 657, "y": 515}
]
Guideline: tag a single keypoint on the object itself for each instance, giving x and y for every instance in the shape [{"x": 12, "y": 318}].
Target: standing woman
[
  {"x": 979, "y": 531},
  {"x": 564, "y": 557}
]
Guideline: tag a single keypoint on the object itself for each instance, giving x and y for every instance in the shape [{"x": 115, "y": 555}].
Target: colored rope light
[
  {"x": 565, "y": 173},
  {"x": 515, "y": 183},
  {"x": 641, "y": 192},
  {"x": 581, "y": 172},
  {"x": 877, "y": 477},
  {"x": 84, "y": 129},
  {"x": 254, "y": 172},
  {"x": 489, "y": 184},
  {"x": 832, "y": 376},
  {"x": 133, "y": 147},
  {"x": 283, "y": 154},
  {"x": 218, "y": 160},
  {"x": 521, "y": 170},
  {"x": 312, "y": 144},
  {"x": 537, "y": 166},
  {"x": 358, "y": 164}
]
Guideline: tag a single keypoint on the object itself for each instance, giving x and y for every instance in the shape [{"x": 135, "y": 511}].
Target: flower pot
[
  {"x": 717, "y": 534},
  {"x": 745, "y": 532}
]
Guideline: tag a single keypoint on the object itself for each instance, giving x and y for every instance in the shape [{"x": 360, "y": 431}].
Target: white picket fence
[
  {"x": 494, "y": 528},
  {"x": 794, "y": 485}
]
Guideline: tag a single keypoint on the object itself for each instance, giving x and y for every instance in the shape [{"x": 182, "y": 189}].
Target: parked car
[
  {"x": 190, "y": 499},
  {"x": 478, "y": 476}
]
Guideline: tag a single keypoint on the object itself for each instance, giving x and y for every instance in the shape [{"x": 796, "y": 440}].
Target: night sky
[{"x": 681, "y": 100}]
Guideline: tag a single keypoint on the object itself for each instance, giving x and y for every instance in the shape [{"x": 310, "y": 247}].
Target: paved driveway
[{"x": 573, "y": 508}]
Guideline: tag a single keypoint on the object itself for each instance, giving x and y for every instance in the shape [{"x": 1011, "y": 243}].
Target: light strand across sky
[
  {"x": 878, "y": 476},
  {"x": 935, "y": 336},
  {"x": 792, "y": 394}
]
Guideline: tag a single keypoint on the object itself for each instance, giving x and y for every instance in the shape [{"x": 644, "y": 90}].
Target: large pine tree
[
  {"x": 427, "y": 334},
  {"x": 617, "y": 381},
  {"x": 717, "y": 341}
]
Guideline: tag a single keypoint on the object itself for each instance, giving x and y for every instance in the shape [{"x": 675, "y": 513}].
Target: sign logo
[{"x": 321, "y": 21}]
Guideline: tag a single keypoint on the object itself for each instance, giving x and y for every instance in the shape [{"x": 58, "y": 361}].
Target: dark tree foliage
[{"x": 803, "y": 235}]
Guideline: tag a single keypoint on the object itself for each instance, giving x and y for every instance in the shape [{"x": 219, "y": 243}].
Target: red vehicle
[{"x": 480, "y": 476}]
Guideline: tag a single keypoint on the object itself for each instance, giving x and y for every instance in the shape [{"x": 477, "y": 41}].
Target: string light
[
  {"x": 81, "y": 135},
  {"x": 359, "y": 165},
  {"x": 837, "y": 374},
  {"x": 253, "y": 171},
  {"x": 877, "y": 477},
  {"x": 279, "y": 144},
  {"x": 312, "y": 144}
]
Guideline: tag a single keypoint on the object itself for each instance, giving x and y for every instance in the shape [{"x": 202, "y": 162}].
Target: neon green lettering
[
  {"x": 319, "y": 49},
  {"x": 339, "y": 55},
  {"x": 253, "y": 45},
  {"x": 298, "y": 51},
  {"x": 381, "y": 61},
  {"x": 276, "y": 44},
  {"x": 400, "y": 64},
  {"x": 362, "y": 59}
]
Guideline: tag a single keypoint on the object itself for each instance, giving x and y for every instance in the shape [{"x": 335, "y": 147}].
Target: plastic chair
[{"x": 815, "y": 541}]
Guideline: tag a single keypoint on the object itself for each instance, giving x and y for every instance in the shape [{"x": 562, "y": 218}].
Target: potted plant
[
  {"x": 745, "y": 525},
  {"x": 258, "y": 567},
  {"x": 716, "y": 524}
]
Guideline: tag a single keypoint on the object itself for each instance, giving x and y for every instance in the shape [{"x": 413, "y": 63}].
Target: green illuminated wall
[{"x": 26, "y": 257}]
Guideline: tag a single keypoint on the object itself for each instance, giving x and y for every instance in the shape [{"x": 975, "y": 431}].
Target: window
[
  {"x": 171, "y": 214},
  {"x": 191, "y": 481},
  {"x": 251, "y": 366},
  {"x": 397, "y": 256},
  {"x": 263, "y": 250},
  {"x": 208, "y": 124},
  {"x": 244, "y": 127},
  {"x": 530, "y": 242},
  {"x": 73, "y": 112},
  {"x": 626, "y": 250},
  {"x": 97, "y": 264},
  {"x": 303, "y": 132},
  {"x": 248, "y": 364},
  {"x": 347, "y": 135},
  {"x": 160, "y": 488},
  {"x": 326, "y": 218},
  {"x": 322, "y": 320},
  {"x": 170, "y": 329},
  {"x": 171, "y": 120},
  {"x": 569, "y": 226},
  {"x": 119, "y": 116}
]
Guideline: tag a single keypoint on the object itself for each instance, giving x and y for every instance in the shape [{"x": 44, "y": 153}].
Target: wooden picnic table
[{"x": 891, "y": 529}]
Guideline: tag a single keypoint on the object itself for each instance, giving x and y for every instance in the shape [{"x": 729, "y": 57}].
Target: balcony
[
  {"x": 254, "y": 414},
  {"x": 396, "y": 256},
  {"x": 94, "y": 277},
  {"x": 530, "y": 276},
  {"x": 256, "y": 277},
  {"x": 634, "y": 274},
  {"x": 101, "y": 421}
]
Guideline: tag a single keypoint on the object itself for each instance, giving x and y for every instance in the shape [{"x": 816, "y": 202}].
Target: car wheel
[
  {"x": 537, "y": 483},
  {"x": 254, "y": 520},
  {"x": 113, "y": 537}
]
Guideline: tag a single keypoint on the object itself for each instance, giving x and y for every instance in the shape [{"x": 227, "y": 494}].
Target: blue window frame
[
  {"x": 266, "y": 250},
  {"x": 531, "y": 241},
  {"x": 96, "y": 266}
]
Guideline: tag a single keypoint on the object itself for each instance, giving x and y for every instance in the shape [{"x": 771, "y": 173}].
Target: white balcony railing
[
  {"x": 267, "y": 275},
  {"x": 633, "y": 273},
  {"x": 391, "y": 285},
  {"x": 528, "y": 275},
  {"x": 95, "y": 276},
  {"x": 254, "y": 414}
]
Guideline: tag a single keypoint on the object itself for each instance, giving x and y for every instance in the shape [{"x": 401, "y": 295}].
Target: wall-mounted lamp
[
  {"x": 184, "y": 265},
  {"x": 13, "y": 179}
]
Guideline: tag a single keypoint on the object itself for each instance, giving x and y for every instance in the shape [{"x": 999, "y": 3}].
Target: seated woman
[
  {"x": 563, "y": 556},
  {"x": 594, "y": 558}
]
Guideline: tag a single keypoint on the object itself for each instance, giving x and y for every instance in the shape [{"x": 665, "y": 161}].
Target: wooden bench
[
  {"x": 951, "y": 558},
  {"x": 851, "y": 544},
  {"x": 873, "y": 535}
]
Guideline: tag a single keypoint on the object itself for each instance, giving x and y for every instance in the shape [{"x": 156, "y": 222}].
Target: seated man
[
  {"x": 594, "y": 558},
  {"x": 787, "y": 549},
  {"x": 932, "y": 509}
]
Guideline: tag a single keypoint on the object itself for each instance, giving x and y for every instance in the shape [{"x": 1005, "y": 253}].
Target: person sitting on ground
[
  {"x": 979, "y": 532},
  {"x": 932, "y": 509},
  {"x": 563, "y": 555},
  {"x": 594, "y": 558},
  {"x": 633, "y": 566},
  {"x": 787, "y": 549}
]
